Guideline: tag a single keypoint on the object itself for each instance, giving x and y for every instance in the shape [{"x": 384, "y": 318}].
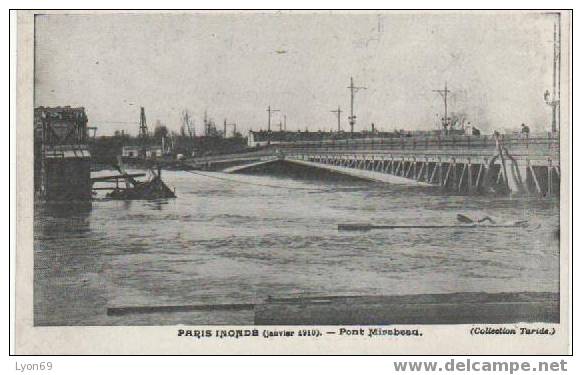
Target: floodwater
[{"x": 242, "y": 238}]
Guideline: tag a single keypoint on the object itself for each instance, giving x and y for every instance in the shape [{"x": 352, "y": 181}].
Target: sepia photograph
[{"x": 298, "y": 168}]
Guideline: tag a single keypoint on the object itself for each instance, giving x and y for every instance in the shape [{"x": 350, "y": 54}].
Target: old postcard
[{"x": 298, "y": 182}]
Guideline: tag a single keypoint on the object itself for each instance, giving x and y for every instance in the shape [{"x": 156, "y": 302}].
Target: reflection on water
[
  {"x": 61, "y": 219},
  {"x": 157, "y": 204},
  {"x": 241, "y": 238},
  {"x": 80, "y": 209}
]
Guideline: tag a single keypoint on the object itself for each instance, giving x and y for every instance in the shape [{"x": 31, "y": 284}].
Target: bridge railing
[
  {"x": 518, "y": 144},
  {"x": 449, "y": 143},
  {"x": 452, "y": 141}
]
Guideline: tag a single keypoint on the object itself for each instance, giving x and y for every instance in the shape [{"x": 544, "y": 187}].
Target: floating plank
[
  {"x": 116, "y": 177},
  {"x": 449, "y": 308},
  {"x": 368, "y": 227},
  {"x": 127, "y": 310}
]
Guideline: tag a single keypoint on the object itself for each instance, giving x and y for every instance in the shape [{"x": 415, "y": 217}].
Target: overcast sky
[{"x": 234, "y": 66}]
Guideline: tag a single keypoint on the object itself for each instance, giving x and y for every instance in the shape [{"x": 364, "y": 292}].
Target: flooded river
[{"x": 243, "y": 238}]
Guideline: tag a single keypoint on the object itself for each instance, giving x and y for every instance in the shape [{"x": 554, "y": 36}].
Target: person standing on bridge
[
  {"x": 445, "y": 126},
  {"x": 525, "y": 130}
]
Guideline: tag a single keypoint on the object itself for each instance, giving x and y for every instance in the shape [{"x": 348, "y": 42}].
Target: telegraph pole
[
  {"x": 206, "y": 125},
  {"x": 285, "y": 122},
  {"x": 338, "y": 111},
  {"x": 269, "y": 110},
  {"x": 143, "y": 131},
  {"x": 353, "y": 91},
  {"x": 554, "y": 101},
  {"x": 444, "y": 93}
]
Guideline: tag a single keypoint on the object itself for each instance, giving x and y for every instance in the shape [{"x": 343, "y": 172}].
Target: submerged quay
[{"x": 453, "y": 308}]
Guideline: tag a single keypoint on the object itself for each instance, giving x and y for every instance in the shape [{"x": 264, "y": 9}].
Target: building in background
[{"x": 134, "y": 152}]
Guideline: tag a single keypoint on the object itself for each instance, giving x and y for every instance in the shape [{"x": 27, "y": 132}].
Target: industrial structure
[{"x": 62, "y": 160}]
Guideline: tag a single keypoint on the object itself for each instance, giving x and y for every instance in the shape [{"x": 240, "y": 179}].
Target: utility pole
[
  {"x": 554, "y": 101},
  {"x": 339, "y": 112},
  {"x": 143, "y": 131},
  {"x": 444, "y": 93},
  {"x": 285, "y": 122},
  {"x": 206, "y": 123},
  {"x": 269, "y": 110},
  {"x": 353, "y": 91}
]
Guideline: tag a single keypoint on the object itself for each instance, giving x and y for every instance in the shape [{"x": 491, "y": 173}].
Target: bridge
[{"x": 457, "y": 164}]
